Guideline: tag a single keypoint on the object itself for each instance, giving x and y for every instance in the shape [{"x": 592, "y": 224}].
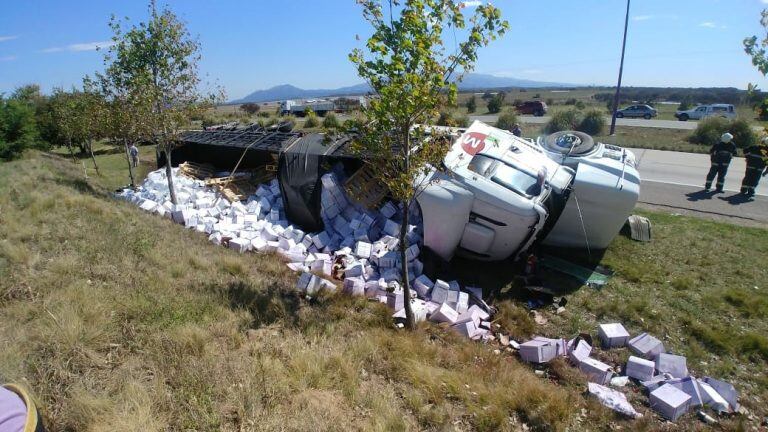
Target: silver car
[{"x": 637, "y": 111}]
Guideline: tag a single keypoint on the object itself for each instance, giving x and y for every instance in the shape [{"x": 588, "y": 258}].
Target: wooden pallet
[
  {"x": 363, "y": 188},
  {"x": 196, "y": 170},
  {"x": 241, "y": 187}
]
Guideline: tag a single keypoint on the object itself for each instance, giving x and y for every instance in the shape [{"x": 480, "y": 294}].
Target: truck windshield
[{"x": 505, "y": 175}]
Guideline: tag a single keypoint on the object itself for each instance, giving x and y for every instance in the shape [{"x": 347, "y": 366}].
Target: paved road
[
  {"x": 674, "y": 181},
  {"x": 663, "y": 124}
]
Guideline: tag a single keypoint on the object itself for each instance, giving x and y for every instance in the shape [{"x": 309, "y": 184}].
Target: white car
[{"x": 704, "y": 111}]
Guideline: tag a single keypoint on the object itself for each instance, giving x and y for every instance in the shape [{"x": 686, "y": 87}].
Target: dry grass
[{"x": 120, "y": 320}]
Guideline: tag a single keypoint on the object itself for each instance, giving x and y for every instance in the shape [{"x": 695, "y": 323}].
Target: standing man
[
  {"x": 720, "y": 156},
  {"x": 134, "y": 152},
  {"x": 755, "y": 156},
  {"x": 516, "y": 131}
]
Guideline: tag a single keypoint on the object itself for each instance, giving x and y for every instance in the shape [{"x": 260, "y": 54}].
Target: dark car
[
  {"x": 637, "y": 111},
  {"x": 537, "y": 108}
]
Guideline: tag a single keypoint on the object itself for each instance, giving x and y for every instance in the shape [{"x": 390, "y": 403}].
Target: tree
[
  {"x": 507, "y": 120},
  {"x": 757, "y": 50},
  {"x": 471, "y": 104},
  {"x": 18, "y": 130},
  {"x": 411, "y": 74},
  {"x": 160, "y": 58},
  {"x": 250, "y": 108},
  {"x": 496, "y": 102}
]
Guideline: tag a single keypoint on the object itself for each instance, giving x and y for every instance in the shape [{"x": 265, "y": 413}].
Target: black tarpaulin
[{"x": 299, "y": 172}]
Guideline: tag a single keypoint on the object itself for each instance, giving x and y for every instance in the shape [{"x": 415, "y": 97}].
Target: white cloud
[
  {"x": 7, "y": 38},
  {"x": 708, "y": 24},
  {"x": 8, "y": 58},
  {"x": 87, "y": 46},
  {"x": 644, "y": 17},
  {"x": 765, "y": 1}
]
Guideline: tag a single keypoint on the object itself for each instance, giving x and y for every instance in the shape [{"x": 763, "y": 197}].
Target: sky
[{"x": 249, "y": 45}]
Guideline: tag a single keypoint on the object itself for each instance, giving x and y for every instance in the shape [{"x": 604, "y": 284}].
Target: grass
[{"x": 120, "y": 320}]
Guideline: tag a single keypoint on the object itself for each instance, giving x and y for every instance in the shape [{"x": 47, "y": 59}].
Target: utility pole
[{"x": 621, "y": 71}]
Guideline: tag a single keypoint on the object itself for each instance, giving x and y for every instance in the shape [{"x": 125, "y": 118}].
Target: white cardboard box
[
  {"x": 640, "y": 368},
  {"x": 674, "y": 365},
  {"x": 595, "y": 370},
  {"x": 444, "y": 313},
  {"x": 646, "y": 346},
  {"x": 670, "y": 402},
  {"x": 537, "y": 351},
  {"x": 612, "y": 335}
]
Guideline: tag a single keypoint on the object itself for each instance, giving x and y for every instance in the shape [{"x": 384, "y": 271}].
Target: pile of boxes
[
  {"x": 358, "y": 247},
  {"x": 672, "y": 391}
]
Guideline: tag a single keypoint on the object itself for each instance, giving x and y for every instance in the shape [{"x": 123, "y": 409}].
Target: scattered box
[
  {"x": 711, "y": 398},
  {"x": 596, "y": 371},
  {"x": 538, "y": 351},
  {"x": 639, "y": 368},
  {"x": 423, "y": 285},
  {"x": 674, "y": 365},
  {"x": 726, "y": 390},
  {"x": 581, "y": 351},
  {"x": 670, "y": 402},
  {"x": 612, "y": 335},
  {"x": 444, "y": 313},
  {"x": 646, "y": 346},
  {"x": 690, "y": 386}
]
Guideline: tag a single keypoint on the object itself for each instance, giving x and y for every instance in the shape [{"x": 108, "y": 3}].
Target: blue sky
[{"x": 255, "y": 44}]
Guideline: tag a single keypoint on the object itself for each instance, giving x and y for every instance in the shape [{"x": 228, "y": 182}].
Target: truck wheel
[
  {"x": 619, "y": 115},
  {"x": 647, "y": 116},
  {"x": 683, "y": 117}
]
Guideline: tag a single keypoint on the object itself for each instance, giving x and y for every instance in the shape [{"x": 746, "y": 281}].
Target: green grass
[{"x": 120, "y": 320}]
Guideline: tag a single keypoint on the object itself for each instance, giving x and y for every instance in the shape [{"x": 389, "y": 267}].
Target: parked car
[
  {"x": 537, "y": 108},
  {"x": 637, "y": 111},
  {"x": 704, "y": 111}
]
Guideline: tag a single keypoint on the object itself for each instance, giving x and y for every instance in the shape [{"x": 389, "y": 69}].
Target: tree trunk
[
  {"x": 93, "y": 158},
  {"x": 130, "y": 163},
  {"x": 409, "y": 320},
  {"x": 169, "y": 173},
  {"x": 71, "y": 151}
]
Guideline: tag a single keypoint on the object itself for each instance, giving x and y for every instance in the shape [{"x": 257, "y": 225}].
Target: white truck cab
[
  {"x": 502, "y": 193},
  {"x": 704, "y": 111}
]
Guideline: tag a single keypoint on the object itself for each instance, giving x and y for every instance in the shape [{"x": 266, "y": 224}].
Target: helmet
[{"x": 726, "y": 138}]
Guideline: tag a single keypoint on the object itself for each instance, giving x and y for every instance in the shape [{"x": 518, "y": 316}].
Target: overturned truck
[{"x": 496, "y": 197}]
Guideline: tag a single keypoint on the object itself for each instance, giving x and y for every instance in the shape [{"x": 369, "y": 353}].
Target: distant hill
[{"x": 470, "y": 82}]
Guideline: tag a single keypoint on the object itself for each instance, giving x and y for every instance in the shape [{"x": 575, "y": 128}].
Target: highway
[
  {"x": 663, "y": 124},
  {"x": 675, "y": 181}
]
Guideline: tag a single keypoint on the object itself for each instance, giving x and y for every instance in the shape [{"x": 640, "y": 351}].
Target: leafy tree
[
  {"x": 411, "y": 74},
  {"x": 487, "y": 95},
  {"x": 757, "y": 48},
  {"x": 160, "y": 58},
  {"x": 496, "y": 102},
  {"x": 18, "y": 130},
  {"x": 685, "y": 105},
  {"x": 330, "y": 121},
  {"x": 592, "y": 123},
  {"x": 250, "y": 108},
  {"x": 471, "y": 104},
  {"x": 311, "y": 121}
]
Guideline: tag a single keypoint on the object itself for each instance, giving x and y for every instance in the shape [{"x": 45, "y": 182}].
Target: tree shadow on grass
[{"x": 267, "y": 305}]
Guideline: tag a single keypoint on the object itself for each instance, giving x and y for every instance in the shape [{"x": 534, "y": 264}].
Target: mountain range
[{"x": 472, "y": 81}]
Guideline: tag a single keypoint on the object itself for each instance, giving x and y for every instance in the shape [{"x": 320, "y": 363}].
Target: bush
[
  {"x": 570, "y": 101},
  {"x": 445, "y": 119},
  {"x": 550, "y": 101},
  {"x": 311, "y": 121},
  {"x": 264, "y": 114},
  {"x": 462, "y": 121},
  {"x": 593, "y": 123},
  {"x": 507, "y": 120},
  {"x": 684, "y": 105},
  {"x": 471, "y": 105},
  {"x": 330, "y": 121},
  {"x": 580, "y": 105},
  {"x": 709, "y": 130},
  {"x": 563, "y": 120}
]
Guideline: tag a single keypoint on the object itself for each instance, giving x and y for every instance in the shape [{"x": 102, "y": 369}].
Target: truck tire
[
  {"x": 683, "y": 117},
  {"x": 554, "y": 142}
]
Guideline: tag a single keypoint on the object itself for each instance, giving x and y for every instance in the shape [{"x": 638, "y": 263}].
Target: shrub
[
  {"x": 709, "y": 130},
  {"x": 495, "y": 104},
  {"x": 563, "y": 120},
  {"x": 507, "y": 120},
  {"x": 685, "y": 105},
  {"x": 580, "y": 105},
  {"x": 761, "y": 108},
  {"x": 462, "y": 121},
  {"x": 330, "y": 121},
  {"x": 570, "y": 101},
  {"x": 311, "y": 121},
  {"x": 593, "y": 122},
  {"x": 537, "y": 96},
  {"x": 264, "y": 114},
  {"x": 471, "y": 104},
  {"x": 445, "y": 119},
  {"x": 550, "y": 101}
]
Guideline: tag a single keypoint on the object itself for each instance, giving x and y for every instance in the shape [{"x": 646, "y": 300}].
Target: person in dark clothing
[
  {"x": 755, "y": 156},
  {"x": 720, "y": 156},
  {"x": 516, "y": 131}
]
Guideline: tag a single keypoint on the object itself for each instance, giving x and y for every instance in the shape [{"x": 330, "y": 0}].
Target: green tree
[
  {"x": 411, "y": 74},
  {"x": 250, "y": 108},
  {"x": 330, "y": 121},
  {"x": 507, "y": 120},
  {"x": 756, "y": 48},
  {"x": 496, "y": 102},
  {"x": 160, "y": 58},
  {"x": 18, "y": 130},
  {"x": 471, "y": 104}
]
